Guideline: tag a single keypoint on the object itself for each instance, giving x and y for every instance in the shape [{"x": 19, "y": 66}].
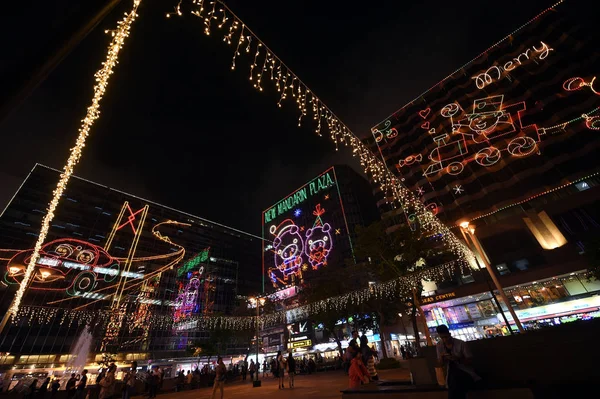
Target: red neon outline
[{"x": 130, "y": 219}]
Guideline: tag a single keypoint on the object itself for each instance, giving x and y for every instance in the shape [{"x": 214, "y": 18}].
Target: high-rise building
[
  {"x": 508, "y": 143},
  {"x": 137, "y": 272}
]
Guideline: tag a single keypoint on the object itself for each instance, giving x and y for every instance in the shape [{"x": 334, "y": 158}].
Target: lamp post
[
  {"x": 258, "y": 302},
  {"x": 469, "y": 230}
]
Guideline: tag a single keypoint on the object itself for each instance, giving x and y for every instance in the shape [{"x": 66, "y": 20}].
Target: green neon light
[
  {"x": 313, "y": 187},
  {"x": 192, "y": 263}
]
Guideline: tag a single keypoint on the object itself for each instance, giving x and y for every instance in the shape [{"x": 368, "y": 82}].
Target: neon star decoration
[
  {"x": 93, "y": 112},
  {"x": 326, "y": 196},
  {"x": 297, "y": 212},
  {"x": 420, "y": 190},
  {"x": 458, "y": 189}
]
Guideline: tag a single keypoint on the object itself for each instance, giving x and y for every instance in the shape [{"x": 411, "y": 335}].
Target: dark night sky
[{"x": 180, "y": 128}]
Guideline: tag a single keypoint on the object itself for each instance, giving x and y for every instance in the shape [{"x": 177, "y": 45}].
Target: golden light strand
[
  {"x": 93, "y": 112},
  {"x": 390, "y": 185}
]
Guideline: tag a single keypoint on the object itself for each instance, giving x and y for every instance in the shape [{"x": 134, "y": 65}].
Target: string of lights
[
  {"x": 264, "y": 63},
  {"x": 93, "y": 112}
]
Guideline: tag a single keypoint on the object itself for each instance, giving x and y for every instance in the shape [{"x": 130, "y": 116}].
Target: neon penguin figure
[{"x": 319, "y": 241}]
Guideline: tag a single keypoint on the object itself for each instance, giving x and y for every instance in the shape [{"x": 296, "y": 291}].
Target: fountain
[{"x": 79, "y": 354}]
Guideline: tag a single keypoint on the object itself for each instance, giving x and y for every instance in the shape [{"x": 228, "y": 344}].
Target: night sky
[{"x": 180, "y": 128}]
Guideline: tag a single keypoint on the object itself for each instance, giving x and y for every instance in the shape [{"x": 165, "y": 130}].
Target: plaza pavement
[{"x": 314, "y": 386}]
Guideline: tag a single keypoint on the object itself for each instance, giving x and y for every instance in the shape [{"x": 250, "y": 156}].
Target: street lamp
[
  {"x": 469, "y": 230},
  {"x": 258, "y": 302}
]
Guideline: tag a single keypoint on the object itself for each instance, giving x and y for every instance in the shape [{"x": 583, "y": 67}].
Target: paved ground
[{"x": 322, "y": 385}]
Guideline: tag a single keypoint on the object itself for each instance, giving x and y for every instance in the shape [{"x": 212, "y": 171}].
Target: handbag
[{"x": 440, "y": 376}]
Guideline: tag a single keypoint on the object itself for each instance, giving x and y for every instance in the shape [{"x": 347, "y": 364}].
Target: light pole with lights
[
  {"x": 469, "y": 230},
  {"x": 258, "y": 302}
]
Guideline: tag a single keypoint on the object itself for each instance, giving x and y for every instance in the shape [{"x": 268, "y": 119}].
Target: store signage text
[
  {"x": 496, "y": 72},
  {"x": 437, "y": 298},
  {"x": 299, "y": 344},
  {"x": 320, "y": 183}
]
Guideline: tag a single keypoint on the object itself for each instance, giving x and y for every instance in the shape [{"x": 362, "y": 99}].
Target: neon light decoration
[
  {"x": 319, "y": 242},
  {"x": 409, "y": 160},
  {"x": 424, "y": 113},
  {"x": 130, "y": 219},
  {"x": 288, "y": 247},
  {"x": 186, "y": 302},
  {"x": 193, "y": 262},
  {"x": 491, "y": 121},
  {"x": 495, "y": 73},
  {"x": 577, "y": 83}
]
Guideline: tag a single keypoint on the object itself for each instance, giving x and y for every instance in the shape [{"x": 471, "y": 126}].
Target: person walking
[
  {"x": 280, "y": 369},
  {"x": 107, "y": 384},
  {"x": 291, "y": 369},
  {"x": 221, "y": 374},
  {"x": 455, "y": 356},
  {"x": 358, "y": 373},
  {"x": 265, "y": 370}
]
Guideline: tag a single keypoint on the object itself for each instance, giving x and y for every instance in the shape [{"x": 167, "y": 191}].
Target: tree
[
  {"x": 390, "y": 255},
  {"x": 331, "y": 281}
]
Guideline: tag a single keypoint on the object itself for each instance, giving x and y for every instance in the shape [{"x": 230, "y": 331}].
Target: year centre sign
[{"x": 315, "y": 186}]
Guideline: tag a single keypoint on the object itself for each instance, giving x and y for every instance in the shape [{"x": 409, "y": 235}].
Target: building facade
[
  {"x": 508, "y": 144},
  {"x": 133, "y": 270}
]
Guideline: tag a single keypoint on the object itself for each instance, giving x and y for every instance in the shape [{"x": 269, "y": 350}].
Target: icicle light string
[
  {"x": 391, "y": 290},
  {"x": 93, "y": 112},
  {"x": 286, "y": 82}
]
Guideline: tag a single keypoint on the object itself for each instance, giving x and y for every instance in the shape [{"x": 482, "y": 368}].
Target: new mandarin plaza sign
[{"x": 316, "y": 185}]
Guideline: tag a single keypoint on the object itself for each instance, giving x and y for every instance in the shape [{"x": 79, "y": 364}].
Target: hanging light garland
[
  {"x": 93, "y": 112},
  {"x": 266, "y": 66}
]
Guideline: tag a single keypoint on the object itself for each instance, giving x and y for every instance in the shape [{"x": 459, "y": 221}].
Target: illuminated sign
[
  {"x": 315, "y": 186},
  {"x": 193, "y": 262},
  {"x": 495, "y": 73},
  {"x": 299, "y": 344},
  {"x": 585, "y": 304},
  {"x": 437, "y": 298}
]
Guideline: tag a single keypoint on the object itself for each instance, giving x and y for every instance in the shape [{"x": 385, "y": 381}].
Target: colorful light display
[
  {"x": 513, "y": 109},
  {"x": 301, "y": 231}
]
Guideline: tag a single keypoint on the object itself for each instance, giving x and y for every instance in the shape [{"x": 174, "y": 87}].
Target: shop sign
[
  {"x": 437, "y": 298},
  {"x": 557, "y": 308},
  {"x": 299, "y": 344},
  {"x": 394, "y": 337}
]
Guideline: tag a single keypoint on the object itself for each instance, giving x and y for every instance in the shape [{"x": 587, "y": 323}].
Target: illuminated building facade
[
  {"x": 126, "y": 266},
  {"x": 508, "y": 142},
  {"x": 314, "y": 226}
]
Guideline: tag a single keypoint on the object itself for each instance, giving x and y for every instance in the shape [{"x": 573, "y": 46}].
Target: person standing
[
  {"x": 81, "y": 385},
  {"x": 244, "y": 370},
  {"x": 281, "y": 369},
  {"x": 71, "y": 386},
  {"x": 403, "y": 352},
  {"x": 252, "y": 369},
  {"x": 43, "y": 388},
  {"x": 455, "y": 356},
  {"x": 371, "y": 367},
  {"x": 291, "y": 369},
  {"x": 129, "y": 382},
  {"x": 358, "y": 373},
  {"x": 221, "y": 374},
  {"x": 107, "y": 384},
  {"x": 265, "y": 367},
  {"x": 55, "y": 387}
]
